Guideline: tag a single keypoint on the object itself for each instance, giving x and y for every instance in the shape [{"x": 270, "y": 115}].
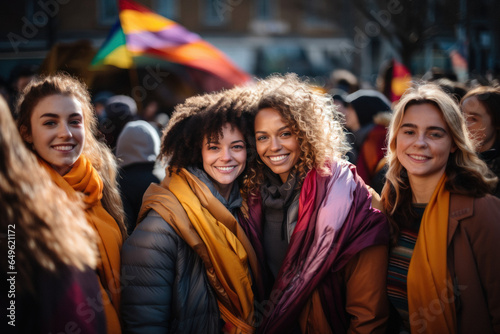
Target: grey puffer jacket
[{"x": 165, "y": 287}]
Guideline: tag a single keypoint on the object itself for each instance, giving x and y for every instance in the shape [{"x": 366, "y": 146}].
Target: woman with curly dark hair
[
  {"x": 49, "y": 251},
  {"x": 189, "y": 261},
  {"x": 310, "y": 218},
  {"x": 443, "y": 266},
  {"x": 57, "y": 122}
]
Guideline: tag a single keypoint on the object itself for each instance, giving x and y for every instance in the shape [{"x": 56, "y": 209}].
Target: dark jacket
[
  {"x": 165, "y": 288},
  {"x": 134, "y": 180},
  {"x": 473, "y": 261},
  {"x": 492, "y": 159}
]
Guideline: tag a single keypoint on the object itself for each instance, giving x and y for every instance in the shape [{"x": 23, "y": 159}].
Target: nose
[
  {"x": 64, "y": 131},
  {"x": 226, "y": 154},
  {"x": 275, "y": 144},
  {"x": 420, "y": 141}
]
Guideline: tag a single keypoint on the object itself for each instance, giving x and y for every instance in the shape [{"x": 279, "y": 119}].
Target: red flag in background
[{"x": 401, "y": 80}]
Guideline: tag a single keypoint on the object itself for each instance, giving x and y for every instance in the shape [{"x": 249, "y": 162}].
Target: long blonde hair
[
  {"x": 97, "y": 152},
  {"x": 466, "y": 173},
  {"x": 50, "y": 230}
]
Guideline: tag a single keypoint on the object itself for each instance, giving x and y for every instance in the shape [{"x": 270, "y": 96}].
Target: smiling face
[
  {"x": 57, "y": 131},
  {"x": 479, "y": 123},
  {"x": 423, "y": 143},
  {"x": 277, "y": 146},
  {"x": 224, "y": 160}
]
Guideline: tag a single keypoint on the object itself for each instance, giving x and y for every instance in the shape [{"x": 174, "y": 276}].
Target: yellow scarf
[
  {"x": 430, "y": 289},
  {"x": 83, "y": 178},
  {"x": 212, "y": 231}
]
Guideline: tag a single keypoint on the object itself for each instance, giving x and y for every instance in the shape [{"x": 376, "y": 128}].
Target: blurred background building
[{"x": 309, "y": 37}]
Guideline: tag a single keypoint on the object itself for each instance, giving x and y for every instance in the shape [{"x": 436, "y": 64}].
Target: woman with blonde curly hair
[
  {"x": 322, "y": 245},
  {"x": 56, "y": 121},
  {"x": 193, "y": 268},
  {"x": 443, "y": 266},
  {"x": 49, "y": 249}
]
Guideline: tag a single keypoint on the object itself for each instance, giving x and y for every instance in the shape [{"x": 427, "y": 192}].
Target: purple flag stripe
[{"x": 169, "y": 37}]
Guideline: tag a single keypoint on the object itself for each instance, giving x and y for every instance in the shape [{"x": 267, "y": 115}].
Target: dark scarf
[{"x": 276, "y": 199}]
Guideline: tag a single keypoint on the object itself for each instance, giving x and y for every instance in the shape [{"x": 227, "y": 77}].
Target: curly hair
[
  {"x": 313, "y": 118},
  {"x": 97, "y": 152},
  {"x": 202, "y": 117},
  {"x": 466, "y": 173},
  {"x": 489, "y": 98},
  {"x": 50, "y": 230}
]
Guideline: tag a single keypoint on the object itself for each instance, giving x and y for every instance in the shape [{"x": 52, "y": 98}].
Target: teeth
[
  {"x": 418, "y": 157},
  {"x": 278, "y": 158},
  {"x": 63, "y": 148},
  {"x": 225, "y": 169}
]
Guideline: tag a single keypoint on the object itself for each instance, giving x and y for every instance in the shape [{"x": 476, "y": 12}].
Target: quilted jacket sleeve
[{"x": 148, "y": 258}]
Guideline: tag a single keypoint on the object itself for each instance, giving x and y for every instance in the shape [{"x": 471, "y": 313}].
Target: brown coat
[{"x": 474, "y": 262}]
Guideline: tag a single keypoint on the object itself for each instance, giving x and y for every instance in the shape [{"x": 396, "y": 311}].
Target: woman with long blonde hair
[
  {"x": 443, "y": 266},
  {"x": 50, "y": 251},
  {"x": 57, "y": 122}
]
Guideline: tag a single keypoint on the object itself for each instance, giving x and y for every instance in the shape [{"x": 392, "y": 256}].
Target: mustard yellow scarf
[
  {"x": 212, "y": 231},
  {"x": 83, "y": 178},
  {"x": 430, "y": 289}
]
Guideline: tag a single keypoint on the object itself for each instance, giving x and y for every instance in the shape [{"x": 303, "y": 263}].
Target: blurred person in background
[
  {"x": 119, "y": 110},
  {"x": 137, "y": 148},
  {"x": 481, "y": 108},
  {"x": 369, "y": 114}
]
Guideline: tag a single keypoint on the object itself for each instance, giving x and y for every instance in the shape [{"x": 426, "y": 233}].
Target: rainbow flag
[{"x": 143, "y": 33}]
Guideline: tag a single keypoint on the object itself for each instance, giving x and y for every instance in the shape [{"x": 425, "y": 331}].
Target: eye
[
  {"x": 436, "y": 135},
  {"x": 212, "y": 148},
  {"x": 238, "y": 147},
  {"x": 75, "y": 122},
  {"x": 408, "y": 132},
  {"x": 261, "y": 138},
  {"x": 49, "y": 123},
  {"x": 286, "y": 134}
]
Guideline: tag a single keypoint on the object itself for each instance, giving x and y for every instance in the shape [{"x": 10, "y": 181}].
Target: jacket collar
[{"x": 461, "y": 207}]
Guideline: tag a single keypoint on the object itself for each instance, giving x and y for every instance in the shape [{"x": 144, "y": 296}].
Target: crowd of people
[{"x": 267, "y": 208}]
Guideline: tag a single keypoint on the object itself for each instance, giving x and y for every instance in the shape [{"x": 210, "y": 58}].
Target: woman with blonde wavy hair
[
  {"x": 50, "y": 251},
  {"x": 322, "y": 245},
  {"x": 443, "y": 266},
  {"x": 57, "y": 122}
]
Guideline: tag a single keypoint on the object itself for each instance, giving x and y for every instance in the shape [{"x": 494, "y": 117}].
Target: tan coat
[{"x": 474, "y": 262}]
